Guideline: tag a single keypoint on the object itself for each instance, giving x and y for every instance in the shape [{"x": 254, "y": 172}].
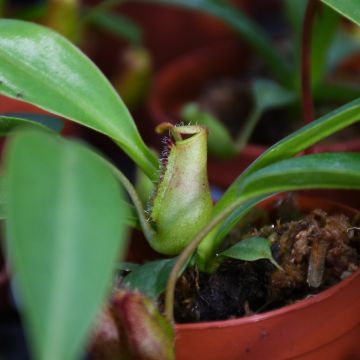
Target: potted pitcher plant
[{"x": 291, "y": 278}]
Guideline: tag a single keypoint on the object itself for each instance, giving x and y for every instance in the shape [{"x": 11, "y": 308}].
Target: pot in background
[
  {"x": 185, "y": 30},
  {"x": 323, "y": 326},
  {"x": 9, "y": 105},
  {"x": 183, "y": 80}
]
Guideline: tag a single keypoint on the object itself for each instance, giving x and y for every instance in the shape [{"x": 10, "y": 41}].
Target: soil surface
[{"x": 316, "y": 251}]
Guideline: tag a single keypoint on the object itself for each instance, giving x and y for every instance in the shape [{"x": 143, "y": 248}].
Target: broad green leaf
[
  {"x": 241, "y": 23},
  {"x": 43, "y": 68},
  {"x": 284, "y": 149},
  {"x": 65, "y": 230},
  {"x": 3, "y": 199},
  {"x": 150, "y": 278},
  {"x": 332, "y": 170},
  {"x": 347, "y": 8},
  {"x": 251, "y": 249},
  {"x": 12, "y": 121},
  {"x": 118, "y": 25},
  {"x": 327, "y": 170},
  {"x": 295, "y": 143},
  {"x": 220, "y": 143}
]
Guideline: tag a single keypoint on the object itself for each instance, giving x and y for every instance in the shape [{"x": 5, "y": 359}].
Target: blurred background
[{"x": 231, "y": 65}]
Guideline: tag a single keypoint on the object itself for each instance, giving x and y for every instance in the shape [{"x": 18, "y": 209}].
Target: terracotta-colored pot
[
  {"x": 182, "y": 80},
  {"x": 323, "y": 326},
  {"x": 164, "y": 46}
]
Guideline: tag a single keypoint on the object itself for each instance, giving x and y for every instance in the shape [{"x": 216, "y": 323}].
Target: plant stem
[
  {"x": 188, "y": 251},
  {"x": 145, "y": 226},
  {"x": 306, "y": 92},
  {"x": 248, "y": 129}
]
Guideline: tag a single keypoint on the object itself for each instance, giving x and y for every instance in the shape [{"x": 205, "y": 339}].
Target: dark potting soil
[{"x": 316, "y": 251}]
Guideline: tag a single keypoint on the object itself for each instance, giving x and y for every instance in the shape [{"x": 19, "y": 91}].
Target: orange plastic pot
[{"x": 324, "y": 326}]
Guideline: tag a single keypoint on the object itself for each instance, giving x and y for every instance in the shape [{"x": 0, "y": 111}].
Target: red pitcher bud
[
  {"x": 109, "y": 341},
  {"x": 149, "y": 334}
]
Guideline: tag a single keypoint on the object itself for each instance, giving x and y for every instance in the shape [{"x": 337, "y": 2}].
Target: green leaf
[
  {"x": 3, "y": 199},
  {"x": 12, "y": 121},
  {"x": 43, "y": 68},
  {"x": 284, "y": 149},
  {"x": 347, "y": 8},
  {"x": 118, "y": 25},
  {"x": 325, "y": 26},
  {"x": 294, "y": 11},
  {"x": 65, "y": 230},
  {"x": 218, "y": 134},
  {"x": 333, "y": 170},
  {"x": 293, "y": 144},
  {"x": 151, "y": 278},
  {"x": 241, "y": 23},
  {"x": 328, "y": 170},
  {"x": 269, "y": 95},
  {"x": 251, "y": 249}
]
